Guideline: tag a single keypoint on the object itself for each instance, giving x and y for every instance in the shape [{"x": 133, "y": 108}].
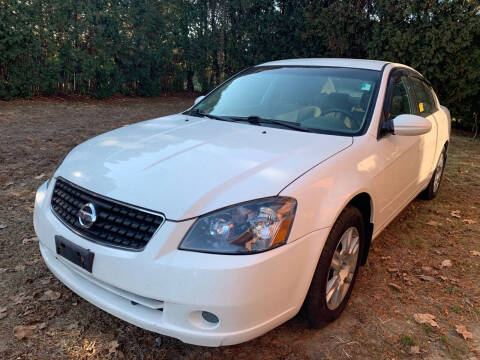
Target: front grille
[{"x": 117, "y": 224}]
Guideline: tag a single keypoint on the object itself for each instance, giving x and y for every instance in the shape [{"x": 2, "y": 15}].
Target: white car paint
[
  {"x": 410, "y": 125},
  {"x": 250, "y": 294},
  {"x": 247, "y": 163}
]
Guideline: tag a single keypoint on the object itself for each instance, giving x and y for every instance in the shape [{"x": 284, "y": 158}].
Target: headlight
[{"x": 245, "y": 228}]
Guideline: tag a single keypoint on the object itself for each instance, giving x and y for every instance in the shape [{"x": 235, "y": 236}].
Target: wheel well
[{"x": 363, "y": 202}]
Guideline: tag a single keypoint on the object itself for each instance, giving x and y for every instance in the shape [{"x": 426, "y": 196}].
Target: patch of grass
[
  {"x": 457, "y": 309},
  {"x": 452, "y": 290},
  {"x": 407, "y": 340},
  {"x": 456, "y": 349},
  {"x": 428, "y": 329},
  {"x": 412, "y": 241}
]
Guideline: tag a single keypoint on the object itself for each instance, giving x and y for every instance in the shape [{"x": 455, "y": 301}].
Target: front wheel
[
  {"x": 337, "y": 268},
  {"x": 434, "y": 185}
]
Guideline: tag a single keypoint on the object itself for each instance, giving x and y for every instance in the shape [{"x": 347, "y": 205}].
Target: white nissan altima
[{"x": 217, "y": 224}]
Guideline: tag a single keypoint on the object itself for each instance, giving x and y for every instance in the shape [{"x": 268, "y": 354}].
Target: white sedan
[{"x": 215, "y": 225}]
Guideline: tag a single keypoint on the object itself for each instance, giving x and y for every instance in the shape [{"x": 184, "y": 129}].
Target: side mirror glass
[
  {"x": 410, "y": 125},
  {"x": 198, "y": 99}
]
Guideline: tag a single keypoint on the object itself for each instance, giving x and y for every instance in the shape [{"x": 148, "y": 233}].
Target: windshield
[{"x": 322, "y": 99}]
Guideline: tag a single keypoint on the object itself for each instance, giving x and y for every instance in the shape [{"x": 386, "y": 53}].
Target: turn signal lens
[{"x": 245, "y": 228}]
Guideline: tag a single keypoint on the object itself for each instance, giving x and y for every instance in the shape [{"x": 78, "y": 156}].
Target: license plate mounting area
[{"x": 74, "y": 253}]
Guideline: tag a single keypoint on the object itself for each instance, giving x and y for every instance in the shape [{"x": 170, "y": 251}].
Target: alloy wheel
[
  {"x": 438, "y": 173},
  {"x": 342, "y": 268}
]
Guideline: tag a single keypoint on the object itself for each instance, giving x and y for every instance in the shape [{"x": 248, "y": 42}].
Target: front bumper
[{"x": 165, "y": 290}]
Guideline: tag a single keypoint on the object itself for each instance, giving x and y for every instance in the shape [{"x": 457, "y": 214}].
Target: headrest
[{"x": 339, "y": 100}]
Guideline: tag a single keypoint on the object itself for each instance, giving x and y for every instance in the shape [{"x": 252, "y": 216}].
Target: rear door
[{"x": 426, "y": 106}]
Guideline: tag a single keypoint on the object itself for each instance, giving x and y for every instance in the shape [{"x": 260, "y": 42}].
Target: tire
[
  {"x": 431, "y": 191},
  {"x": 319, "y": 310}
]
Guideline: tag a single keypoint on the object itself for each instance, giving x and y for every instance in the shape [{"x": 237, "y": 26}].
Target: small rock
[
  {"x": 50, "y": 295},
  {"x": 446, "y": 263},
  {"x": 19, "y": 268},
  {"x": 2, "y": 226},
  {"x": 427, "y": 268}
]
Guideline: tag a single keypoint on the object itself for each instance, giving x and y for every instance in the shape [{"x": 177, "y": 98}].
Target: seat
[{"x": 337, "y": 101}]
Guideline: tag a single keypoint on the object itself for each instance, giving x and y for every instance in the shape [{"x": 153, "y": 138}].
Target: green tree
[
  {"x": 100, "y": 48},
  {"x": 438, "y": 38}
]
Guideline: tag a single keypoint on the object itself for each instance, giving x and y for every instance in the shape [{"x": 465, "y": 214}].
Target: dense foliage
[{"x": 146, "y": 47}]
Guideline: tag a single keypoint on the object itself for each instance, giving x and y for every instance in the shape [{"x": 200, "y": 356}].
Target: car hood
[{"x": 186, "y": 166}]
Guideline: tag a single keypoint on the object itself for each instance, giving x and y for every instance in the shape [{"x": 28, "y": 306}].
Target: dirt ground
[{"x": 404, "y": 274}]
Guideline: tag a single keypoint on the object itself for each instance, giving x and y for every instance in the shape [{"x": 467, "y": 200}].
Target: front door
[{"x": 400, "y": 157}]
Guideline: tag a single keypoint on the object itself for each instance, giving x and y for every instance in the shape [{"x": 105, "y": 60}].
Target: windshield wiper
[
  {"x": 257, "y": 120},
  {"x": 198, "y": 112}
]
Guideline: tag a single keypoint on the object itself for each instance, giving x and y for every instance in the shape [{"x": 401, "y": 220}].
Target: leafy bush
[{"x": 139, "y": 47}]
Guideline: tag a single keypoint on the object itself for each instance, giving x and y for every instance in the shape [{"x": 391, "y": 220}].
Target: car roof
[{"x": 332, "y": 62}]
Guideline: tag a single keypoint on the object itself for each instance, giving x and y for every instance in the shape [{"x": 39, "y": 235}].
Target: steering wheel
[
  {"x": 346, "y": 114},
  {"x": 309, "y": 112}
]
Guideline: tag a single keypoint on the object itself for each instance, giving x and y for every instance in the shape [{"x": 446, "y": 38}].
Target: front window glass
[
  {"x": 322, "y": 99},
  {"x": 401, "y": 102}
]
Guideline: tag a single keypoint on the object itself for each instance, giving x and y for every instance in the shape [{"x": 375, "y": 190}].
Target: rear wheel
[
  {"x": 434, "y": 185},
  {"x": 337, "y": 268}
]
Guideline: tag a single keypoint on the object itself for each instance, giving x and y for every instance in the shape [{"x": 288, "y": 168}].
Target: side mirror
[
  {"x": 407, "y": 125},
  {"x": 198, "y": 99}
]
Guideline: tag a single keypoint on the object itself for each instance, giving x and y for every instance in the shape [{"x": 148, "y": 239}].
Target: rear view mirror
[
  {"x": 410, "y": 125},
  {"x": 198, "y": 99}
]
